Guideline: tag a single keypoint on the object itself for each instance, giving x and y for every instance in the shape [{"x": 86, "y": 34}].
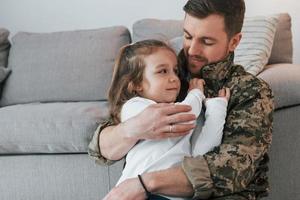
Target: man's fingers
[
  {"x": 174, "y": 130},
  {"x": 177, "y": 128},
  {"x": 175, "y": 108},
  {"x": 170, "y": 135},
  {"x": 182, "y": 128},
  {"x": 180, "y": 118}
]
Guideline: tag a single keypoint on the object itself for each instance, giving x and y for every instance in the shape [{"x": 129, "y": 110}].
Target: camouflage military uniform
[{"x": 237, "y": 168}]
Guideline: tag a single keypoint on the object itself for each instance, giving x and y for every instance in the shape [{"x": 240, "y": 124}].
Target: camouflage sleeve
[
  {"x": 94, "y": 148},
  {"x": 230, "y": 167}
]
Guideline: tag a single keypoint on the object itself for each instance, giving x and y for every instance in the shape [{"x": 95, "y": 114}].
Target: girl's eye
[{"x": 163, "y": 71}]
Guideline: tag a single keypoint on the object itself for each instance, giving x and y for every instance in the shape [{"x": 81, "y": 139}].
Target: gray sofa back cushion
[
  {"x": 4, "y": 49},
  {"x": 62, "y": 66},
  {"x": 4, "y": 46},
  {"x": 284, "y": 83},
  {"x": 3, "y": 73},
  {"x": 168, "y": 29}
]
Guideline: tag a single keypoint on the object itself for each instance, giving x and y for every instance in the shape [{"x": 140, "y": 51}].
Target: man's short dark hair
[{"x": 233, "y": 12}]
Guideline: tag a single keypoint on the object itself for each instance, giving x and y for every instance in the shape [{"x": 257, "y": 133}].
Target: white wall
[
  {"x": 53, "y": 15},
  {"x": 57, "y": 15}
]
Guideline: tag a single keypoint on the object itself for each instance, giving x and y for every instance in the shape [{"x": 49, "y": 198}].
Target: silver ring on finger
[{"x": 171, "y": 128}]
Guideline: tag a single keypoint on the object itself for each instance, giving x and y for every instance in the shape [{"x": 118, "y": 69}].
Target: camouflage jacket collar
[
  {"x": 218, "y": 70},
  {"x": 216, "y": 74}
]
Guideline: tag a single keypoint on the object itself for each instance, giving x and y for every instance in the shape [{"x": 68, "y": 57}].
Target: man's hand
[
  {"x": 170, "y": 182},
  {"x": 160, "y": 121},
  {"x": 157, "y": 121},
  {"x": 127, "y": 190}
]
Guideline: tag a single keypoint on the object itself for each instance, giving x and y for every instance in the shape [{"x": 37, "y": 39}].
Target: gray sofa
[{"x": 54, "y": 95}]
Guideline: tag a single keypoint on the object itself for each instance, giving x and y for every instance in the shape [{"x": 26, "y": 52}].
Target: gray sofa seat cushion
[
  {"x": 55, "y": 177},
  {"x": 49, "y": 127},
  {"x": 62, "y": 66},
  {"x": 285, "y": 83}
]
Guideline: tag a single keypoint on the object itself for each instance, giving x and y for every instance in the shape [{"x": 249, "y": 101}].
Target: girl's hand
[
  {"x": 225, "y": 92},
  {"x": 197, "y": 83}
]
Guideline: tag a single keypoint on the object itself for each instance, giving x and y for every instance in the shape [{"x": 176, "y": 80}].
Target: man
[{"x": 237, "y": 168}]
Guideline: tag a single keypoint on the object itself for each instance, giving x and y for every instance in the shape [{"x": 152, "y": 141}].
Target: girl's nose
[{"x": 173, "y": 78}]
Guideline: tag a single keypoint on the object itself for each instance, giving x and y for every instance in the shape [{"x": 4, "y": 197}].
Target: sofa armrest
[{"x": 284, "y": 79}]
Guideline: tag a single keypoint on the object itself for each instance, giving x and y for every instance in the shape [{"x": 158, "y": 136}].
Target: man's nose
[{"x": 195, "y": 48}]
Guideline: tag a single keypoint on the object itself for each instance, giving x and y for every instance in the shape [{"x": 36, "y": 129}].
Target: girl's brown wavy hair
[{"x": 128, "y": 73}]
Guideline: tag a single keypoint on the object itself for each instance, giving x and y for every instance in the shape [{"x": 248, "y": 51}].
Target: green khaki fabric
[{"x": 94, "y": 147}]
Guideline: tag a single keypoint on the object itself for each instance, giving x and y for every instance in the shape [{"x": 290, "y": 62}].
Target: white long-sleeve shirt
[{"x": 153, "y": 155}]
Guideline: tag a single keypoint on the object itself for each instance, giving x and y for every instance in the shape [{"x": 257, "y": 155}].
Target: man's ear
[{"x": 234, "y": 41}]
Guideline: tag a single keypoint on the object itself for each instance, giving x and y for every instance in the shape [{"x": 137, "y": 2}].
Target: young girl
[{"x": 146, "y": 73}]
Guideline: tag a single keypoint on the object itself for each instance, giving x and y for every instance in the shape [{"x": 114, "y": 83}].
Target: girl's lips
[{"x": 172, "y": 89}]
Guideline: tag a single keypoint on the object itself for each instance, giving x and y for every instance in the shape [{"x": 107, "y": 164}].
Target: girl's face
[{"x": 160, "y": 81}]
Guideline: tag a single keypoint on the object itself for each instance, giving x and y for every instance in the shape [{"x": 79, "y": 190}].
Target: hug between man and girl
[
  {"x": 224, "y": 159},
  {"x": 146, "y": 73}
]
